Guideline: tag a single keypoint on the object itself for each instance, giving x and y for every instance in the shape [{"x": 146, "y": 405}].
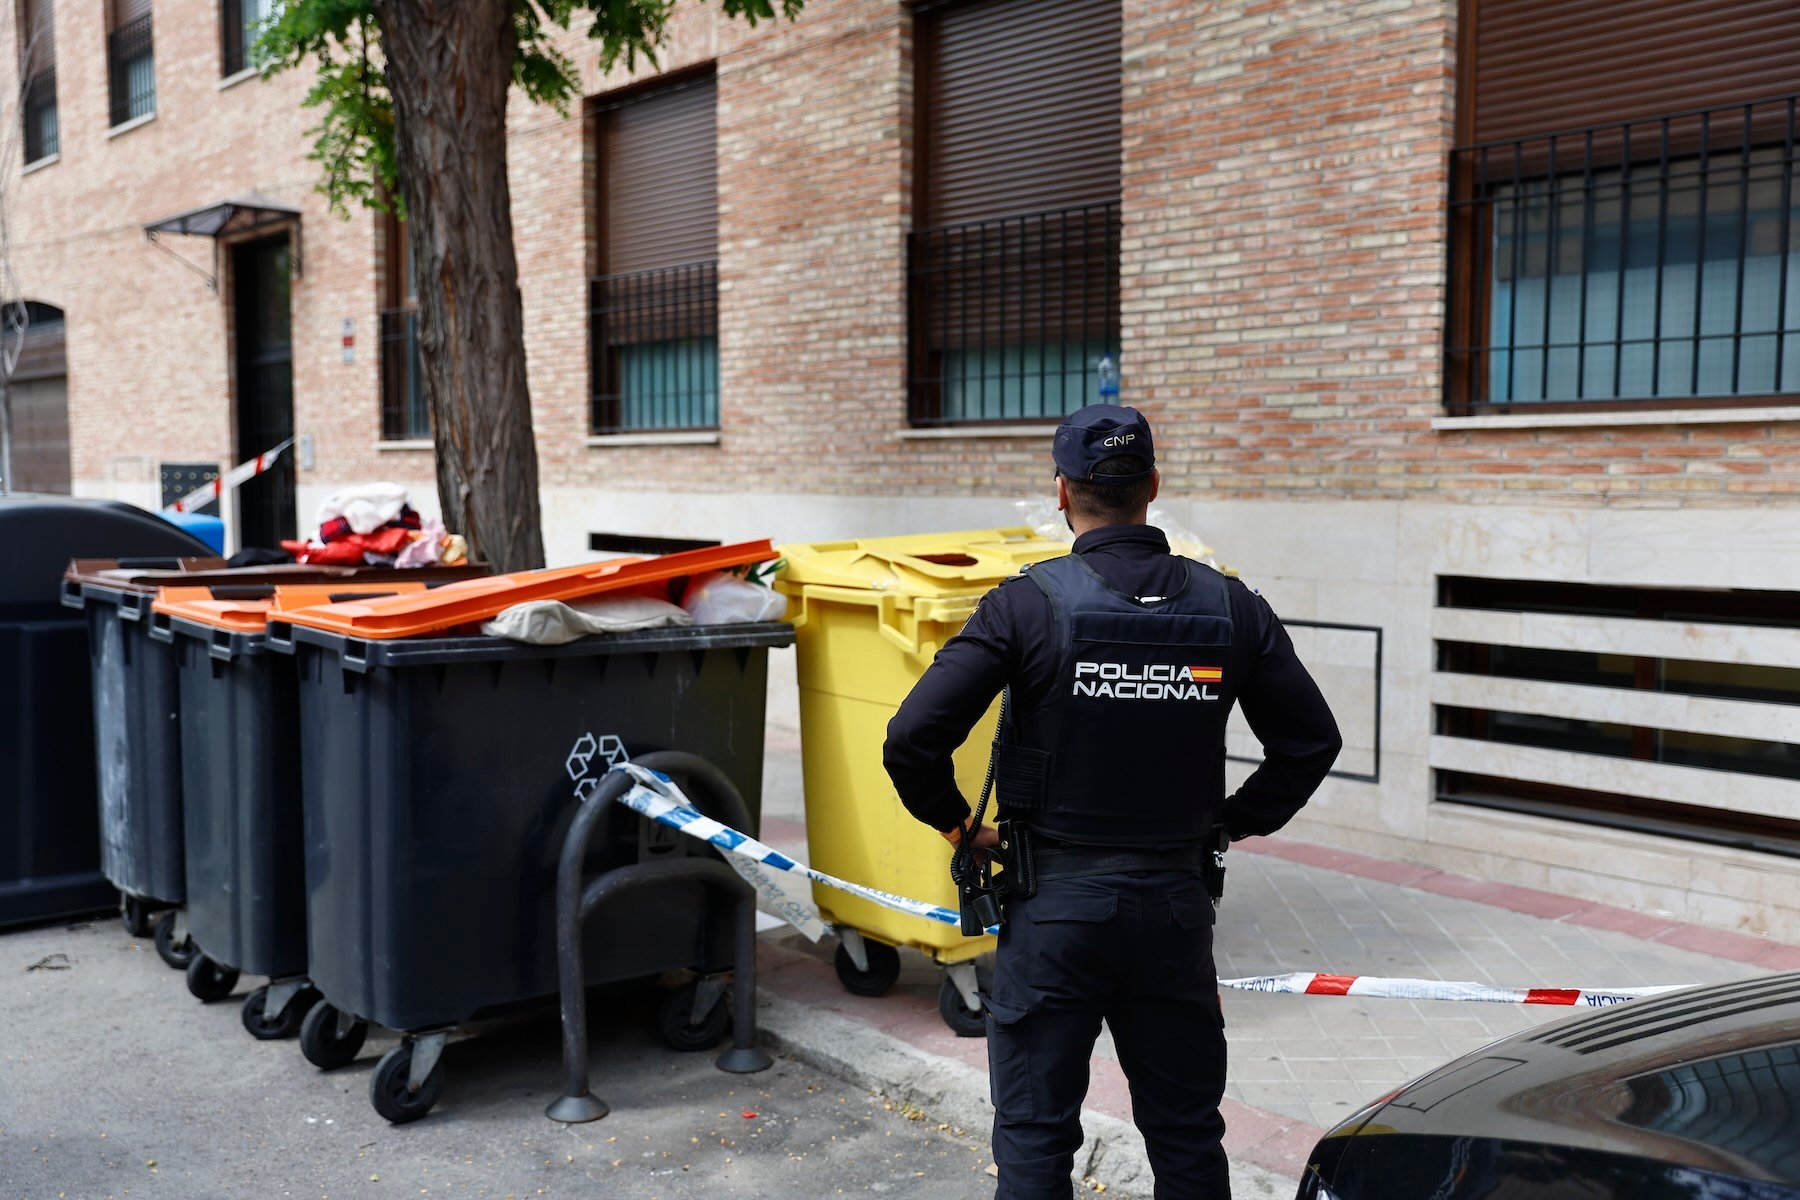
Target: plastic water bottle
[{"x": 1108, "y": 370}]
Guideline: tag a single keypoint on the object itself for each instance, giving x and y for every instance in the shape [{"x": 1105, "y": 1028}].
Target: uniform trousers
[{"x": 1133, "y": 949}]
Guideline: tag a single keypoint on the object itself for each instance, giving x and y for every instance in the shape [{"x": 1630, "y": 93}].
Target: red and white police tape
[
  {"x": 1308, "y": 983},
  {"x": 206, "y": 493},
  {"x": 659, "y": 799}
]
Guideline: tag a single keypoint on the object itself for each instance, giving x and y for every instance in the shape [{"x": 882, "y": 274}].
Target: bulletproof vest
[{"x": 1128, "y": 748}]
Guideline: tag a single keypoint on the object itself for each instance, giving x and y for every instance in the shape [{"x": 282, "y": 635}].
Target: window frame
[
  {"x": 684, "y": 295},
  {"x": 398, "y": 332},
  {"x": 1468, "y": 290},
  {"x": 928, "y": 247},
  {"x": 119, "y": 99}
]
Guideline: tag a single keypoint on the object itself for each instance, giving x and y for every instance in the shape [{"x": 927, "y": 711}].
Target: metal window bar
[
  {"x": 39, "y": 115},
  {"x": 655, "y": 348},
  {"x": 1007, "y": 317},
  {"x": 131, "y": 70},
  {"x": 1655, "y": 270},
  {"x": 404, "y": 413}
]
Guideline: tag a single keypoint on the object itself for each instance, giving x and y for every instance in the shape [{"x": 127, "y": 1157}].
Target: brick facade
[{"x": 1282, "y": 279}]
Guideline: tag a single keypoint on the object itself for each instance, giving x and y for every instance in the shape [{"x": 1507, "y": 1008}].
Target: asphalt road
[{"x": 116, "y": 1083}]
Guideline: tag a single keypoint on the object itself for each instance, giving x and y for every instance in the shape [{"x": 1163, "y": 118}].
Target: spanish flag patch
[{"x": 1207, "y": 674}]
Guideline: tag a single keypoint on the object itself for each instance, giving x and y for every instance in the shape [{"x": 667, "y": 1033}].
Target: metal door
[{"x": 265, "y": 389}]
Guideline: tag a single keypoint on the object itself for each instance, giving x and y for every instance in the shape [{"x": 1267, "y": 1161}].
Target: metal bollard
[{"x": 574, "y": 903}]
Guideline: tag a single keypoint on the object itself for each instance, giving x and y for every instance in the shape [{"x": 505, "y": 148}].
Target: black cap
[{"x": 1098, "y": 432}]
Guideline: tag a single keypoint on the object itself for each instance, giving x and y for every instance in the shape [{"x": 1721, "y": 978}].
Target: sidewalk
[{"x": 1298, "y": 1063}]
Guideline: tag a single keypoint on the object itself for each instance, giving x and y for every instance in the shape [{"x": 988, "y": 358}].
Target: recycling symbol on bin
[{"x": 581, "y": 758}]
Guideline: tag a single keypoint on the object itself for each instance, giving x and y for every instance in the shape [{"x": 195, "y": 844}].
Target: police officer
[{"x": 1121, "y": 662}]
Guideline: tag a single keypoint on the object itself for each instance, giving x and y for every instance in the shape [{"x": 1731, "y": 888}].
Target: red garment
[{"x": 349, "y": 550}]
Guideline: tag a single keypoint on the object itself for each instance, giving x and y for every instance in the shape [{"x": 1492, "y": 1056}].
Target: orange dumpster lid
[
  {"x": 476, "y": 600},
  {"x": 247, "y": 612}
]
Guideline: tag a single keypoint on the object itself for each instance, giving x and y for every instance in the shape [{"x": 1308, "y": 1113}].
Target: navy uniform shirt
[{"x": 1011, "y": 639}]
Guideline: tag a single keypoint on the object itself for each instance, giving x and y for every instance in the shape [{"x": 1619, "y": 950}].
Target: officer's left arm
[
  {"x": 1289, "y": 716},
  {"x": 936, "y": 717}
]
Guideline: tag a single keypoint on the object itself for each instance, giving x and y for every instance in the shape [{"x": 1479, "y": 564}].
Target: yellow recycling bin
[{"x": 869, "y": 615}]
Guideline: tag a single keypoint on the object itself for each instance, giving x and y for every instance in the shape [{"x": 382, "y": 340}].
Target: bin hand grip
[
  {"x": 925, "y": 609},
  {"x": 886, "y": 604}
]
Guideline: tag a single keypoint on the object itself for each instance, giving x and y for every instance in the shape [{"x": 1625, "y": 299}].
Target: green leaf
[{"x": 354, "y": 140}]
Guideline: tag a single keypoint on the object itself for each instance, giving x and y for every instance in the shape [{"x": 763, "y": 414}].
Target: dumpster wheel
[
  {"x": 264, "y": 1028},
  {"x": 136, "y": 915},
  {"x": 883, "y": 969},
  {"x": 390, "y": 1089},
  {"x": 207, "y": 980},
  {"x": 962, "y": 1020},
  {"x": 676, "y": 1021},
  {"x": 330, "y": 1038},
  {"x": 177, "y": 954}
]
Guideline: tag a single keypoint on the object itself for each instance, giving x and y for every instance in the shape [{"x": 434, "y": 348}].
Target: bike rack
[{"x": 576, "y": 902}]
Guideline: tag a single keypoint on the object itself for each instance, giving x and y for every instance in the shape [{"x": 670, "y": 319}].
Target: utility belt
[
  {"x": 1026, "y": 859},
  {"x": 1062, "y": 861}
]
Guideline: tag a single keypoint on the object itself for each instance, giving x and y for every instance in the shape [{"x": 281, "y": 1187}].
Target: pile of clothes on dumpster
[{"x": 374, "y": 524}]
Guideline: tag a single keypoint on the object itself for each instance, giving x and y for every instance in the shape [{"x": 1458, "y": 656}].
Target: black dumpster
[
  {"x": 440, "y": 777},
  {"x": 49, "y": 823},
  {"x": 137, "y": 713},
  {"x": 240, "y": 783}
]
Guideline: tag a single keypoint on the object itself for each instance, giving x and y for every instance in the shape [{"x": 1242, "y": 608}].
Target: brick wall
[{"x": 1284, "y": 186}]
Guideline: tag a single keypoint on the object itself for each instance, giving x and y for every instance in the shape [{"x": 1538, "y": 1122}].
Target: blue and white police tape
[{"x": 655, "y": 796}]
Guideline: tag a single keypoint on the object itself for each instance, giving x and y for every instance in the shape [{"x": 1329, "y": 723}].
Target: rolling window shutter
[
  {"x": 38, "y": 48},
  {"x": 659, "y": 173},
  {"x": 126, "y": 11},
  {"x": 1021, "y": 107},
  {"x": 1543, "y": 66}
]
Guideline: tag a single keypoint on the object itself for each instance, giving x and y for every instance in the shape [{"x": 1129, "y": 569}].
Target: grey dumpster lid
[{"x": 40, "y": 534}]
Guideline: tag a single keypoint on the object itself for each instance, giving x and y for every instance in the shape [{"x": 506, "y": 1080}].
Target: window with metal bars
[
  {"x": 1644, "y": 263},
  {"x": 656, "y": 349},
  {"x": 131, "y": 69},
  {"x": 241, "y": 23},
  {"x": 1013, "y": 266},
  {"x": 37, "y": 67},
  {"x": 38, "y": 109},
  {"x": 405, "y": 416},
  {"x": 653, "y": 316},
  {"x": 1009, "y": 317}
]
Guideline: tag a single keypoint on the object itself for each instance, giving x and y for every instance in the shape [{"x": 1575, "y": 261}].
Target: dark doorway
[
  {"x": 265, "y": 389},
  {"x": 40, "y": 404}
]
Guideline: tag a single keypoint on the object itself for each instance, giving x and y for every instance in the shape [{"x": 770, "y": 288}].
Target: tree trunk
[{"x": 449, "y": 64}]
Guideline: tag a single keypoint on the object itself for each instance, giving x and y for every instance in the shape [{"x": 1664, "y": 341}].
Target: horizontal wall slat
[
  {"x": 1624, "y": 706},
  {"x": 1756, "y": 645},
  {"x": 1759, "y": 795}
]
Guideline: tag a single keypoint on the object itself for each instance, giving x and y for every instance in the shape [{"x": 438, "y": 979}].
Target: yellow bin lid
[
  {"x": 919, "y": 564},
  {"x": 915, "y": 584}
]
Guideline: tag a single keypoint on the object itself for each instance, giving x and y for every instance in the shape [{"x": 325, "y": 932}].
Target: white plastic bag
[
  {"x": 1043, "y": 518},
  {"x": 552, "y": 623},
  {"x": 722, "y": 599}
]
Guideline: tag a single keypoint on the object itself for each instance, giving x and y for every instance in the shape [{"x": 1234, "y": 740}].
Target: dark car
[{"x": 1690, "y": 1096}]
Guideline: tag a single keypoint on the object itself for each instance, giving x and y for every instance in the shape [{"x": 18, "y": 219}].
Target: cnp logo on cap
[{"x": 1091, "y": 435}]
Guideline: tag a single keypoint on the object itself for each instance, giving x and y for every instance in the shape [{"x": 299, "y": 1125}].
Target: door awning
[
  {"x": 228, "y": 218},
  {"x": 245, "y": 216}
]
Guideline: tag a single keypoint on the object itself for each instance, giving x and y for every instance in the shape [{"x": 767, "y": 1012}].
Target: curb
[{"x": 951, "y": 1092}]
